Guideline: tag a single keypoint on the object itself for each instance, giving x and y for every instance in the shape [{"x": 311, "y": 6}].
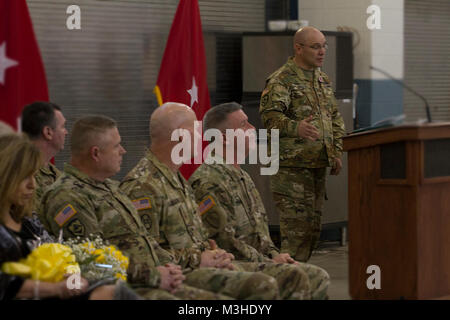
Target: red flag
[
  {"x": 22, "y": 75},
  {"x": 182, "y": 75}
]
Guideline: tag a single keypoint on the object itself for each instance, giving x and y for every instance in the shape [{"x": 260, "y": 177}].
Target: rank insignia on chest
[
  {"x": 65, "y": 214},
  {"x": 142, "y": 203},
  {"x": 206, "y": 204}
]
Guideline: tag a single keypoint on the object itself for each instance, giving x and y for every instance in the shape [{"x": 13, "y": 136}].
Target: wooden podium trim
[
  {"x": 389, "y": 182},
  {"x": 435, "y": 180},
  {"x": 406, "y": 132}
]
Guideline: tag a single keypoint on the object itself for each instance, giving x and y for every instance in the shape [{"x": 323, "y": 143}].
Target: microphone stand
[{"x": 427, "y": 107}]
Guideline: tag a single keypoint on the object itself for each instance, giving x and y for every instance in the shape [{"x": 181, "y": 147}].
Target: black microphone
[{"x": 427, "y": 107}]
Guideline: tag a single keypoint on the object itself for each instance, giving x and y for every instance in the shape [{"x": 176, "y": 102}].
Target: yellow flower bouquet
[
  {"x": 99, "y": 260},
  {"x": 49, "y": 262}
]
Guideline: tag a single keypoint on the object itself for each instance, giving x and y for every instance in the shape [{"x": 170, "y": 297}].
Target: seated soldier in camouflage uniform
[
  {"x": 44, "y": 124},
  {"x": 168, "y": 208},
  {"x": 230, "y": 205},
  {"x": 84, "y": 201}
]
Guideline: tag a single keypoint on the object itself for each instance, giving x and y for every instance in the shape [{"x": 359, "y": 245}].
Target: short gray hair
[{"x": 217, "y": 115}]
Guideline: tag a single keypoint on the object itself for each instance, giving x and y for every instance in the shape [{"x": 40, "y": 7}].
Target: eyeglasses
[{"x": 316, "y": 46}]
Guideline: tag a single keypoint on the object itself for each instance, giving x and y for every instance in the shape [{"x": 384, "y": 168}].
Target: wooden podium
[{"x": 399, "y": 211}]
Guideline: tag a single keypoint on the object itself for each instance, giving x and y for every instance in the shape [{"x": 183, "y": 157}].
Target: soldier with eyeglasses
[{"x": 298, "y": 100}]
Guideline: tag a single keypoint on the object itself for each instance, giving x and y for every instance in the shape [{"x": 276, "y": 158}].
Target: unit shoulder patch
[
  {"x": 76, "y": 228},
  {"x": 147, "y": 221},
  {"x": 264, "y": 99}
]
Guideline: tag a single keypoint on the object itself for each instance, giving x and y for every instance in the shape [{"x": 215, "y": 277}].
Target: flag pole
[{"x": 158, "y": 95}]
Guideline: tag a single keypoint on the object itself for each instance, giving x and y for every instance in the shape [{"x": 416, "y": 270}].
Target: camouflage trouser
[
  {"x": 184, "y": 292},
  {"x": 299, "y": 195},
  {"x": 154, "y": 294},
  {"x": 236, "y": 284},
  {"x": 319, "y": 280},
  {"x": 295, "y": 281}
]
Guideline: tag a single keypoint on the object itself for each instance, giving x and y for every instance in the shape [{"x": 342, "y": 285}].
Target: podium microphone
[{"x": 403, "y": 84}]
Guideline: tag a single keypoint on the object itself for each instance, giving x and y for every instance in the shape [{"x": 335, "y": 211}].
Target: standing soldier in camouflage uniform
[
  {"x": 85, "y": 201},
  {"x": 231, "y": 207},
  {"x": 44, "y": 124},
  {"x": 167, "y": 205},
  {"x": 298, "y": 100}
]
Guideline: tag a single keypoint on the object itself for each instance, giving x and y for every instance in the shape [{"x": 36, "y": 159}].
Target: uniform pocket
[{"x": 287, "y": 183}]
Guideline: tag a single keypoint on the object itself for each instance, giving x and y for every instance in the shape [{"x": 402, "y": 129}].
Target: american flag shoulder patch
[
  {"x": 65, "y": 214},
  {"x": 206, "y": 204},
  {"x": 142, "y": 203}
]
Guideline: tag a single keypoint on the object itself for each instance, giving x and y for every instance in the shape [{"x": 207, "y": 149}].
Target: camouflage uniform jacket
[
  {"x": 45, "y": 177},
  {"x": 288, "y": 98},
  {"x": 168, "y": 209},
  {"x": 232, "y": 210},
  {"x": 82, "y": 206}
]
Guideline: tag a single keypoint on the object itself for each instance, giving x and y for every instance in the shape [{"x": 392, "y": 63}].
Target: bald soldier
[
  {"x": 167, "y": 205},
  {"x": 231, "y": 207},
  {"x": 45, "y": 125},
  {"x": 298, "y": 100},
  {"x": 84, "y": 201}
]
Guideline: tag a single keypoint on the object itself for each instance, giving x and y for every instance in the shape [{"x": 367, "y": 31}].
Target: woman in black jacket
[{"x": 20, "y": 233}]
